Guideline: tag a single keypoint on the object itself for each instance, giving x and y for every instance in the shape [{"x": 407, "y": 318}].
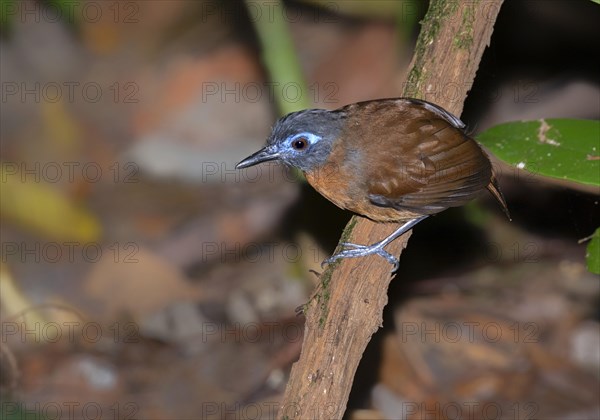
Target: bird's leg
[{"x": 376, "y": 248}]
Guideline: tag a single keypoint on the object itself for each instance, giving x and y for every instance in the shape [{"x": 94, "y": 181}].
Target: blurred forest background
[{"x": 143, "y": 277}]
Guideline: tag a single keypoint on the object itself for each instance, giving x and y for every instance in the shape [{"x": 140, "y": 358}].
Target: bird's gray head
[{"x": 301, "y": 139}]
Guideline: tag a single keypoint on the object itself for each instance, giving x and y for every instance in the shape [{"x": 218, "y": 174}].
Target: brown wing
[{"x": 419, "y": 158}]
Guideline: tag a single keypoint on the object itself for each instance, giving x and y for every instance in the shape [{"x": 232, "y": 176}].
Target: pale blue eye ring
[{"x": 301, "y": 141}]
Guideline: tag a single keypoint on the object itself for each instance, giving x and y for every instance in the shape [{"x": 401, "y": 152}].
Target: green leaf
[
  {"x": 565, "y": 149},
  {"x": 592, "y": 255},
  {"x": 8, "y": 12}
]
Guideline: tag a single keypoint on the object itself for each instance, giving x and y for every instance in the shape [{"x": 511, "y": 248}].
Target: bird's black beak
[{"x": 263, "y": 155}]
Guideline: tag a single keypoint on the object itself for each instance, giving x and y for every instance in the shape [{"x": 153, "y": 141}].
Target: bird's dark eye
[{"x": 300, "y": 143}]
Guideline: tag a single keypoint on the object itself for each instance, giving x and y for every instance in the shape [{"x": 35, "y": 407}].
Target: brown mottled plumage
[{"x": 391, "y": 160}]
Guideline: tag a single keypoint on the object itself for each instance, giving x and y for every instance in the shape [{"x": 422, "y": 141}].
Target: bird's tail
[{"x": 495, "y": 191}]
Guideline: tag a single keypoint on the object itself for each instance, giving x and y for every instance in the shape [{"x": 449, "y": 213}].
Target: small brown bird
[{"x": 391, "y": 160}]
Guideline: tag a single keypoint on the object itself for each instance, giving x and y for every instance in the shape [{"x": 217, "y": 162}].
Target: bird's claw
[{"x": 361, "y": 251}]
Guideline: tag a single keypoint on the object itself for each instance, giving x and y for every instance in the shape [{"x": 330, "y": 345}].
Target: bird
[{"x": 392, "y": 160}]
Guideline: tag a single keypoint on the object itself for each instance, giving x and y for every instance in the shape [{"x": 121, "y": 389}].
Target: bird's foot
[{"x": 362, "y": 251}]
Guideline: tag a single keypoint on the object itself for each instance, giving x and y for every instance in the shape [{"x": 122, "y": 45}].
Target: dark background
[{"x": 179, "y": 277}]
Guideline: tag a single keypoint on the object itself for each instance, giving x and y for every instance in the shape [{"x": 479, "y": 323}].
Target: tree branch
[{"x": 348, "y": 309}]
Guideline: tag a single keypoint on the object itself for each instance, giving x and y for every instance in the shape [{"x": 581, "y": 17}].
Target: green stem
[{"x": 279, "y": 55}]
